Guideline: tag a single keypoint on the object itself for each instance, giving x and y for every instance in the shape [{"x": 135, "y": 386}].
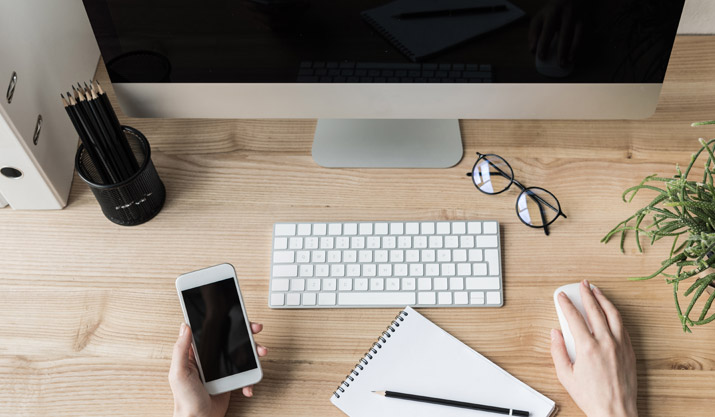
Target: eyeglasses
[{"x": 535, "y": 206}]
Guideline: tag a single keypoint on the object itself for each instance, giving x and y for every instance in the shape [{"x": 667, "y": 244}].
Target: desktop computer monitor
[{"x": 387, "y": 79}]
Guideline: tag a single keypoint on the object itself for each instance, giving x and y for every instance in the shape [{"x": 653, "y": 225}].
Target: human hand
[
  {"x": 559, "y": 22},
  {"x": 603, "y": 380},
  {"x": 190, "y": 395}
]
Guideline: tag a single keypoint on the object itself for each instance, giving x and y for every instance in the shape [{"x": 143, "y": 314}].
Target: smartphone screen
[{"x": 222, "y": 340}]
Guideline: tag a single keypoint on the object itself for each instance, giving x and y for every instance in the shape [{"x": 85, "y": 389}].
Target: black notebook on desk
[{"x": 421, "y": 37}]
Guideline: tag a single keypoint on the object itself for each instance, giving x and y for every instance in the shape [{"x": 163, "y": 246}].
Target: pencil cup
[{"x": 135, "y": 200}]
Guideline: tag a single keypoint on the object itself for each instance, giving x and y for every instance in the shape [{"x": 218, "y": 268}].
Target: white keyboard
[{"x": 386, "y": 264}]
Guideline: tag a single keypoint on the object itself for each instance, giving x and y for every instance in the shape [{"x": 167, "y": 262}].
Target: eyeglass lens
[
  {"x": 537, "y": 207},
  {"x": 492, "y": 174}
]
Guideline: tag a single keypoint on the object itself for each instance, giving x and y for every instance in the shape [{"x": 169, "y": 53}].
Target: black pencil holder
[{"x": 135, "y": 200}]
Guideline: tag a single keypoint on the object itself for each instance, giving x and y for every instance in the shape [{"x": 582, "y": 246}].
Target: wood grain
[{"x": 89, "y": 312}]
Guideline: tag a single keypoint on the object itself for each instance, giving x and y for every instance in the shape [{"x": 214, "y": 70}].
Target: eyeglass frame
[{"x": 513, "y": 180}]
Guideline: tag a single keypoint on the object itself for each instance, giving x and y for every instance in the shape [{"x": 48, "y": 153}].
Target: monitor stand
[{"x": 387, "y": 143}]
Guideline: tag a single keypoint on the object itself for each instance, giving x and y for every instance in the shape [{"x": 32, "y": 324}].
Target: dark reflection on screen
[
  {"x": 284, "y": 41},
  {"x": 219, "y": 329}
]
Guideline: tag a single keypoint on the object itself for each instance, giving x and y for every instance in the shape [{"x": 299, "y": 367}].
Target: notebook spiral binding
[
  {"x": 384, "y": 337},
  {"x": 391, "y": 38}
]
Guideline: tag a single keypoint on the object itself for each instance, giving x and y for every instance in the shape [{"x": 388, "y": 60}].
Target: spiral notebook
[
  {"x": 421, "y": 38},
  {"x": 415, "y": 356}
]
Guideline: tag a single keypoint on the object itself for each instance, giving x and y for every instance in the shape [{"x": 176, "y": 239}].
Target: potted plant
[{"x": 684, "y": 210}]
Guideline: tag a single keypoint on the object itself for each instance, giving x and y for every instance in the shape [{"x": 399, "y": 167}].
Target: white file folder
[{"x": 45, "y": 47}]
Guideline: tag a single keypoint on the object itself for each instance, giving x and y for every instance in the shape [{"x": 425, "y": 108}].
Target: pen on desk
[
  {"x": 452, "y": 12},
  {"x": 451, "y": 403}
]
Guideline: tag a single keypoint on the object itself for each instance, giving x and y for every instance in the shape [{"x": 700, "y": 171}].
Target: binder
[{"x": 45, "y": 46}]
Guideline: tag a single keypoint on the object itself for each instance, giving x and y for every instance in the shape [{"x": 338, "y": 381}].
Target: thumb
[
  {"x": 560, "y": 356},
  {"x": 180, "y": 356}
]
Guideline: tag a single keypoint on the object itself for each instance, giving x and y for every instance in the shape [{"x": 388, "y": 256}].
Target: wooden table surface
[{"x": 89, "y": 312}]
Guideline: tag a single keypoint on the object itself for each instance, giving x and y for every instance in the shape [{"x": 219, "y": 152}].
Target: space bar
[{"x": 375, "y": 298}]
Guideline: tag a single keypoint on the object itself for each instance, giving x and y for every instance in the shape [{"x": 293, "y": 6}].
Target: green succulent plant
[{"x": 684, "y": 210}]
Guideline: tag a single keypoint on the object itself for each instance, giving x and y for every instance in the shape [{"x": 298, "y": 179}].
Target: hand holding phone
[{"x": 220, "y": 341}]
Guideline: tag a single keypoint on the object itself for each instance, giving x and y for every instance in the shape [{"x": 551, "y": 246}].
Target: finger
[
  {"x": 262, "y": 350},
  {"x": 192, "y": 357},
  {"x": 535, "y": 32},
  {"x": 248, "y": 391},
  {"x": 547, "y": 35},
  {"x": 180, "y": 356},
  {"x": 578, "y": 33},
  {"x": 615, "y": 323},
  {"x": 256, "y": 328},
  {"x": 594, "y": 314},
  {"x": 560, "y": 356},
  {"x": 577, "y": 324},
  {"x": 565, "y": 37}
]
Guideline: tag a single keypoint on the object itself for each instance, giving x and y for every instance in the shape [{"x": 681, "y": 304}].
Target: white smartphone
[{"x": 222, "y": 338}]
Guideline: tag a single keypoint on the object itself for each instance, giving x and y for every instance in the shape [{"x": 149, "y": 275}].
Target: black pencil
[
  {"x": 108, "y": 135},
  {"x": 451, "y": 403},
  {"x": 101, "y": 171},
  {"x": 114, "y": 121}
]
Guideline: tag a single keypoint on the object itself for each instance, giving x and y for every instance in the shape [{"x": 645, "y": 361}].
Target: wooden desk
[{"x": 89, "y": 312}]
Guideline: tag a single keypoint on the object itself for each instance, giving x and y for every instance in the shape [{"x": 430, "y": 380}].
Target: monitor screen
[{"x": 413, "y": 41}]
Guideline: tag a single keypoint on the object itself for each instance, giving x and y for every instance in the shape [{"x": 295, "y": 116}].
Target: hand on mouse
[
  {"x": 557, "y": 28},
  {"x": 603, "y": 380},
  {"x": 190, "y": 395}
]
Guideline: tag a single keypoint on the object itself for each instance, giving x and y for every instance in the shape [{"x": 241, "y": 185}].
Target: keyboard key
[
  {"x": 476, "y": 298},
  {"x": 284, "y": 230},
  {"x": 464, "y": 269},
  {"x": 365, "y": 228},
  {"x": 337, "y": 270},
  {"x": 475, "y": 255},
  {"x": 342, "y": 242},
  {"x": 345, "y": 284},
  {"x": 443, "y": 228},
  {"x": 493, "y": 297},
  {"x": 350, "y": 229},
  {"x": 417, "y": 270},
  {"x": 285, "y": 270},
  {"x": 392, "y": 284},
  {"x": 396, "y": 228},
  {"x": 397, "y": 255},
  {"x": 384, "y": 270},
  {"x": 280, "y": 284},
  {"x": 330, "y": 284},
  {"x": 353, "y": 270},
  {"x": 318, "y": 256},
  {"x": 365, "y": 256},
  {"x": 400, "y": 270},
  {"x": 350, "y": 256},
  {"x": 428, "y": 255},
  {"x": 448, "y": 270},
  {"x": 444, "y": 255},
  {"x": 304, "y": 229},
  {"x": 459, "y": 298},
  {"x": 280, "y": 243},
  {"x": 322, "y": 270},
  {"x": 389, "y": 242},
  {"x": 319, "y": 229},
  {"x": 311, "y": 243},
  {"x": 432, "y": 270},
  {"x": 479, "y": 269},
  {"x": 283, "y": 257},
  {"x": 482, "y": 283},
  {"x": 306, "y": 271},
  {"x": 412, "y": 228},
  {"x": 334, "y": 256},
  {"x": 444, "y": 298},
  {"x": 309, "y": 299},
  {"x": 492, "y": 258},
  {"x": 487, "y": 241},
  {"x": 474, "y": 228},
  {"x": 440, "y": 284},
  {"x": 412, "y": 255},
  {"x": 334, "y": 229},
  {"x": 451, "y": 242},
  {"x": 327, "y": 243},
  {"x": 419, "y": 242},
  {"x": 361, "y": 284},
  {"x": 295, "y": 243},
  {"x": 380, "y": 256},
  {"x": 377, "y": 284},
  {"x": 456, "y": 283},
  {"x": 357, "y": 242},
  {"x": 381, "y": 228},
  {"x": 490, "y": 228},
  {"x": 293, "y": 299},
  {"x": 297, "y": 284},
  {"x": 326, "y": 299},
  {"x": 302, "y": 256},
  {"x": 369, "y": 270},
  {"x": 404, "y": 242},
  {"x": 313, "y": 284},
  {"x": 377, "y": 299},
  {"x": 374, "y": 242},
  {"x": 436, "y": 242},
  {"x": 427, "y": 228},
  {"x": 466, "y": 242},
  {"x": 428, "y": 298},
  {"x": 408, "y": 284},
  {"x": 277, "y": 299},
  {"x": 424, "y": 283}
]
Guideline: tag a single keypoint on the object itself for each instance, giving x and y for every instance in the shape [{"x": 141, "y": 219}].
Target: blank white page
[{"x": 420, "y": 358}]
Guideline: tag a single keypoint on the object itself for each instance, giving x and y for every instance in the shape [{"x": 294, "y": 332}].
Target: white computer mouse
[
  {"x": 573, "y": 292},
  {"x": 550, "y": 66}
]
